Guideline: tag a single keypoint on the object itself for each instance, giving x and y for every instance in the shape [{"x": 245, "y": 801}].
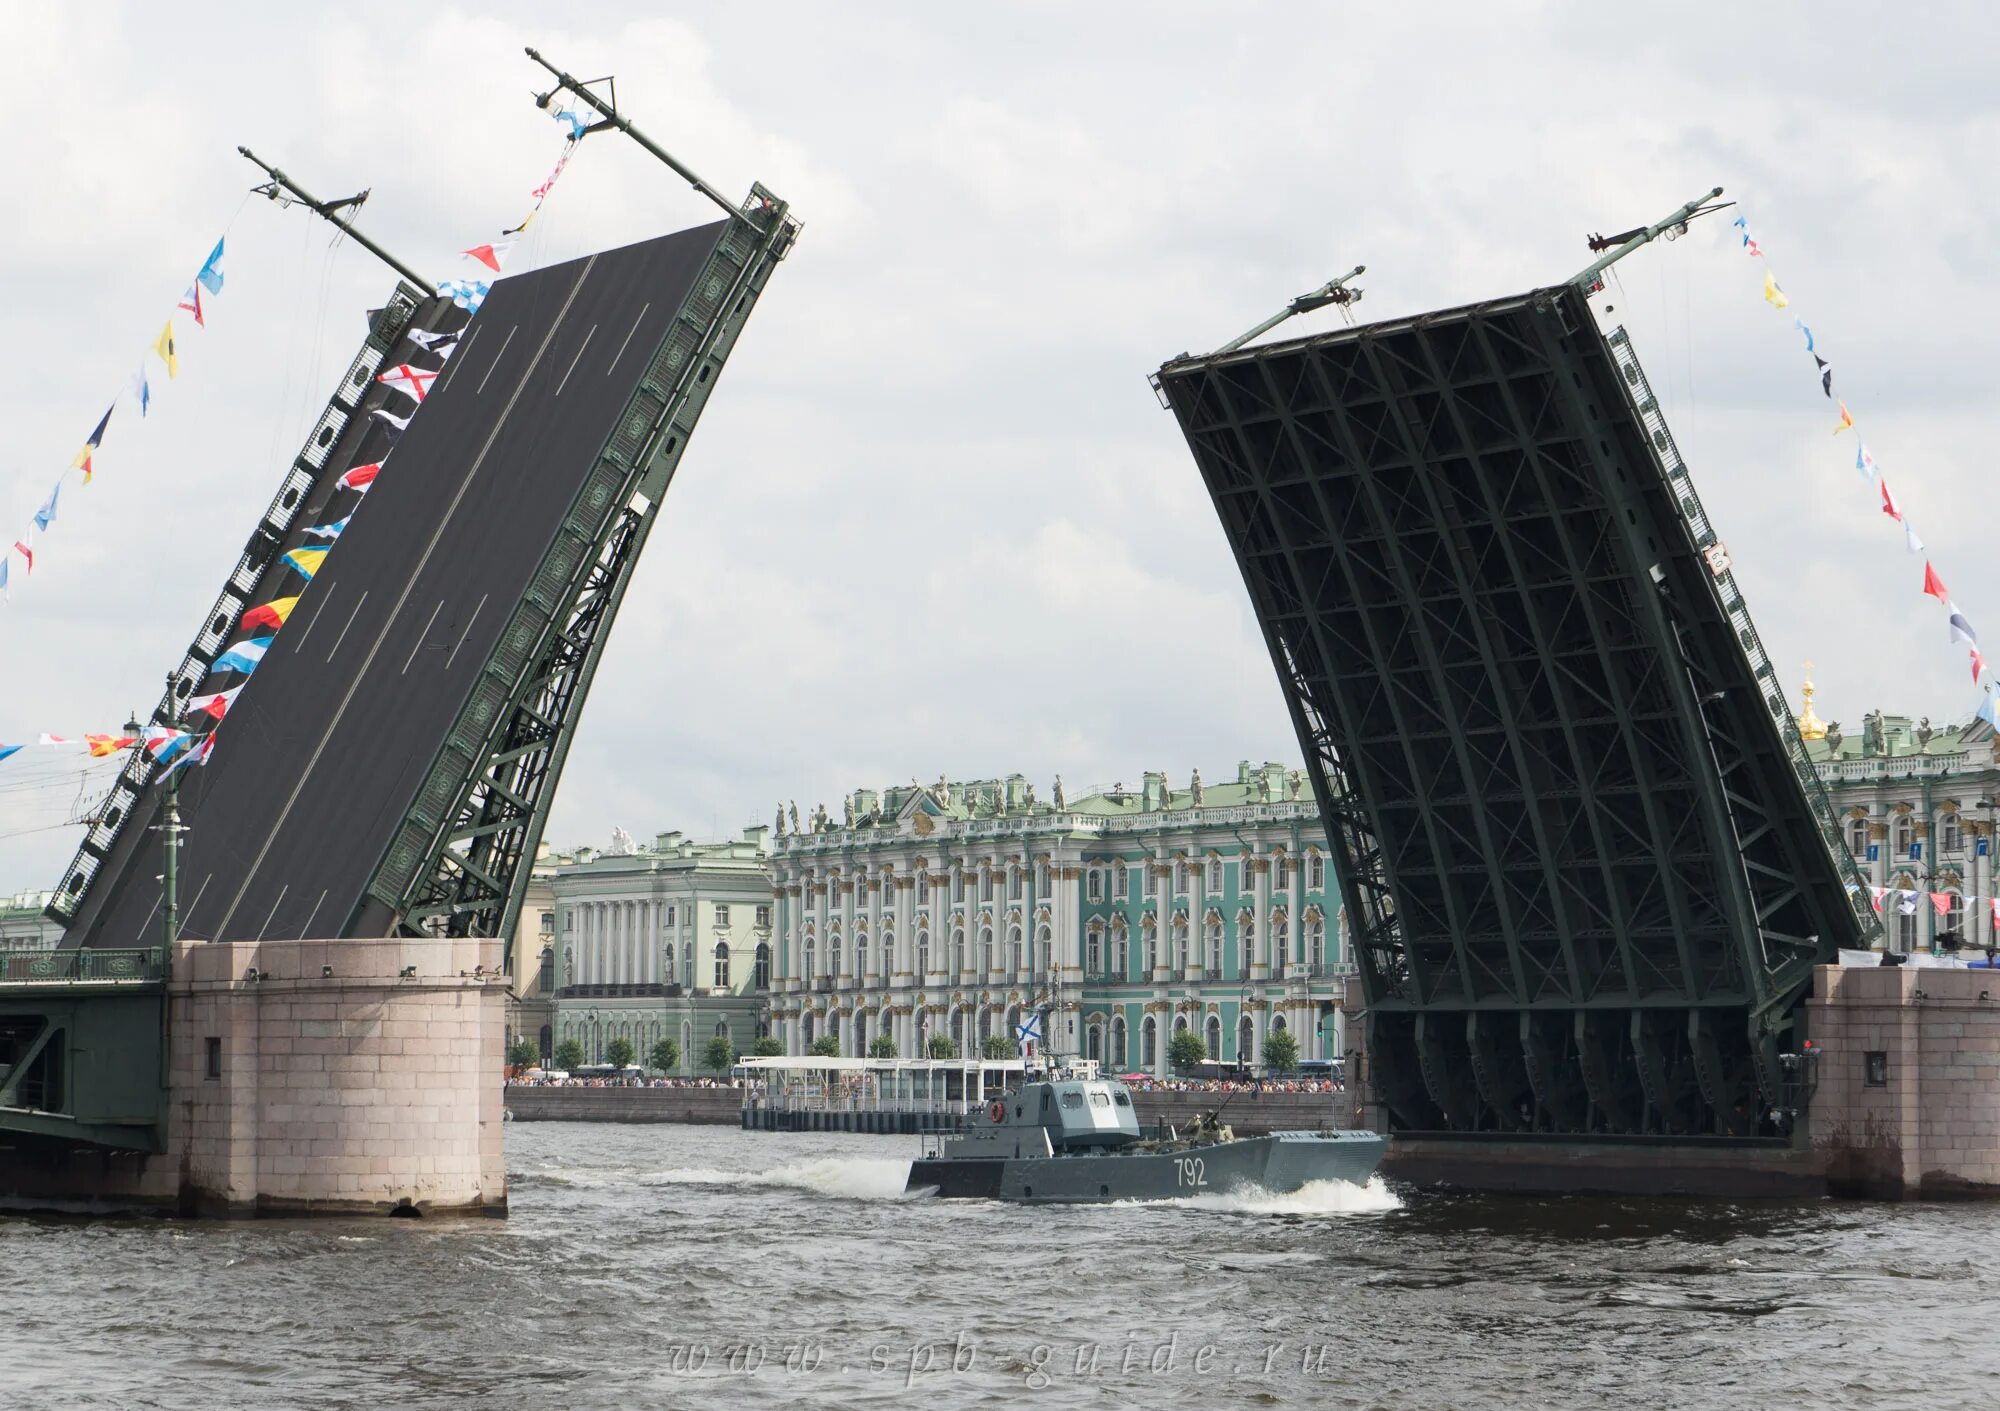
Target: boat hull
[{"x": 1276, "y": 1163}]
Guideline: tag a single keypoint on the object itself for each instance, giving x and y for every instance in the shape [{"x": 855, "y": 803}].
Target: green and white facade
[
  {"x": 667, "y": 941},
  {"x": 956, "y": 908}
]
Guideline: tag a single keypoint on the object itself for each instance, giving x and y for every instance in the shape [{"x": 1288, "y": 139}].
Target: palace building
[{"x": 956, "y": 908}]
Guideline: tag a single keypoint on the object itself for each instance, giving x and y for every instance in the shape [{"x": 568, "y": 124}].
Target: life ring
[{"x": 998, "y": 1111}]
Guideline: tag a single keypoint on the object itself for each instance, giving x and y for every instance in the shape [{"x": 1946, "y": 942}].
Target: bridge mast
[
  {"x": 278, "y": 187},
  {"x": 1334, "y": 291}
]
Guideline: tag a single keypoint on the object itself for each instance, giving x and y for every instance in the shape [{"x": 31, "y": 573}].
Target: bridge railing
[{"x": 68, "y": 967}]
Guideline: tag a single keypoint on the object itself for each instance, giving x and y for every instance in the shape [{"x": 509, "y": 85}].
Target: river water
[{"x": 665, "y": 1266}]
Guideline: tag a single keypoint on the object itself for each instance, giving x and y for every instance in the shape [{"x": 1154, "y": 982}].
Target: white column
[
  {"x": 1261, "y": 913},
  {"x": 1297, "y": 912}
]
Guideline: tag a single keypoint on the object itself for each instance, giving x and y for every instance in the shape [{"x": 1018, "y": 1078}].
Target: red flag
[
  {"x": 361, "y": 477},
  {"x": 1942, "y": 902},
  {"x": 26, "y": 553},
  {"x": 490, "y": 255},
  {"x": 1933, "y": 585},
  {"x": 416, "y": 381},
  {"x": 1889, "y": 504},
  {"x": 191, "y": 301},
  {"x": 216, "y": 705},
  {"x": 1978, "y": 665}
]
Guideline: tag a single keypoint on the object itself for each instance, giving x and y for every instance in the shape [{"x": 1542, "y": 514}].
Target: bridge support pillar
[{"x": 307, "y": 1078}]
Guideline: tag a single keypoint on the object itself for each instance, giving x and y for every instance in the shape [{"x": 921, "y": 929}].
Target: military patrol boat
[{"x": 1077, "y": 1138}]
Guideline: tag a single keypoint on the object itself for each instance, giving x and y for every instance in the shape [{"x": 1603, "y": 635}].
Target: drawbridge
[
  {"x": 1587, "y": 865},
  {"x": 389, "y": 767}
]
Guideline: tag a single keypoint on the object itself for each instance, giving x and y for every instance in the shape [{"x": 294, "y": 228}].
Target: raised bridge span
[{"x": 1588, "y": 867}]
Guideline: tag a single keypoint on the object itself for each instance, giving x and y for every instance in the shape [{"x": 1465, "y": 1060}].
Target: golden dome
[{"x": 1811, "y": 727}]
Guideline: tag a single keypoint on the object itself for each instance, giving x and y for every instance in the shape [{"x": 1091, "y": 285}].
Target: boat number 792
[{"x": 1190, "y": 1171}]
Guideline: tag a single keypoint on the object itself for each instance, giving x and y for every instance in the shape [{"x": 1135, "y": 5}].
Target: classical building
[
  {"x": 668, "y": 941},
  {"x": 22, "y": 925},
  {"x": 531, "y": 958},
  {"x": 1917, "y": 807},
  {"x": 956, "y": 908}
]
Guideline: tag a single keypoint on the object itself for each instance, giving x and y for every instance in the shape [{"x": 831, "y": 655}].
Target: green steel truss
[
  {"x": 1586, "y": 863},
  {"x": 454, "y": 865}
]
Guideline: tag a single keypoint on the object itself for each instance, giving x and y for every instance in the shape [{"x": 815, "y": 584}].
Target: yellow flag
[
  {"x": 1773, "y": 295},
  {"x": 164, "y": 346},
  {"x": 1846, "y": 420}
]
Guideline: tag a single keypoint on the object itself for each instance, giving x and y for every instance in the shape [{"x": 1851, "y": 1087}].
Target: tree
[
  {"x": 569, "y": 1054},
  {"x": 1281, "y": 1051},
  {"x": 523, "y": 1053},
  {"x": 619, "y": 1053},
  {"x": 768, "y": 1047},
  {"x": 718, "y": 1053},
  {"x": 666, "y": 1056},
  {"x": 997, "y": 1046},
  {"x": 881, "y": 1046},
  {"x": 1187, "y": 1052},
  {"x": 943, "y": 1046},
  {"x": 825, "y": 1046}
]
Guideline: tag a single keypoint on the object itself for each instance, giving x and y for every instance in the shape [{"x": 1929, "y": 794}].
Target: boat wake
[
  {"x": 848, "y": 1177},
  {"x": 1312, "y": 1198}
]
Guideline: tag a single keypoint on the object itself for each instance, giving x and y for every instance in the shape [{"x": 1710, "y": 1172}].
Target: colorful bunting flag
[
  {"x": 1865, "y": 463},
  {"x": 578, "y": 125},
  {"x": 1910, "y": 539},
  {"x": 247, "y": 654},
  {"x": 433, "y": 342},
  {"x": 399, "y": 424},
  {"x": 90, "y": 445},
  {"x": 271, "y": 614},
  {"x": 468, "y": 294},
  {"x": 413, "y": 382},
  {"x": 191, "y": 301},
  {"x": 1846, "y": 420},
  {"x": 306, "y": 559},
  {"x": 210, "y": 277},
  {"x": 26, "y": 545},
  {"x": 1961, "y": 630},
  {"x": 1773, "y": 295},
  {"x": 1978, "y": 666},
  {"x": 1941, "y": 902},
  {"x": 360, "y": 477},
  {"x": 1934, "y": 585},
  {"x": 163, "y": 742},
  {"x": 1989, "y": 711},
  {"x": 218, "y": 704},
  {"x": 1889, "y": 504},
  {"x": 48, "y": 739},
  {"x": 4, "y": 561},
  {"x": 164, "y": 347},
  {"x": 489, "y": 255},
  {"x": 103, "y": 746},
  {"x": 45, "y": 516},
  {"x": 541, "y": 193},
  {"x": 141, "y": 389},
  {"x": 1906, "y": 903},
  {"x": 1800, "y": 325},
  {"x": 6, "y": 750},
  {"x": 329, "y": 532},
  {"x": 1825, "y": 375}
]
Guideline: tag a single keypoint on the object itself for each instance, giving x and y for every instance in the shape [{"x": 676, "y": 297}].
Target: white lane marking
[
  {"x": 319, "y": 607},
  {"x": 575, "y": 360},
  {"x": 496, "y": 361},
  {"x": 457, "y": 359},
  {"x": 419, "y": 644},
  {"x": 305, "y": 933},
  {"x": 350, "y": 622},
  {"x": 274, "y": 911},
  {"x": 468, "y": 629},
  {"x": 628, "y": 337}
]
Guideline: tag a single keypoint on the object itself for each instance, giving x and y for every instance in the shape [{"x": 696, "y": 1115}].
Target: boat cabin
[{"x": 1041, "y": 1119}]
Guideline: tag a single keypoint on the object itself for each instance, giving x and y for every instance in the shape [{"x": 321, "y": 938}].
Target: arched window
[
  {"x": 1149, "y": 1033},
  {"x": 1179, "y": 957},
  {"x": 761, "y": 976},
  {"x": 1045, "y": 948},
  {"x": 1151, "y": 933},
  {"x": 833, "y": 966},
  {"x": 722, "y": 965},
  {"x": 958, "y": 1030},
  {"x": 1212, "y": 1035},
  {"x": 861, "y": 1035},
  {"x": 1315, "y": 872},
  {"x": 1117, "y": 879},
  {"x": 923, "y": 887},
  {"x": 1902, "y": 833},
  {"x": 1096, "y": 885},
  {"x": 1315, "y": 943},
  {"x": 1093, "y": 1043},
  {"x": 1014, "y": 883},
  {"x": 986, "y": 949},
  {"x": 1245, "y": 1040},
  {"x": 1281, "y": 937},
  {"x": 1016, "y": 955},
  {"x": 1246, "y": 945},
  {"x": 923, "y": 953},
  {"x": 810, "y": 974},
  {"x": 1954, "y": 914},
  {"x": 1857, "y": 836},
  {"x": 1093, "y": 959},
  {"x": 985, "y": 1030},
  {"x": 860, "y": 955},
  {"x": 1212, "y": 961},
  {"x": 986, "y": 884},
  {"x": 1121, "y": 953},
  {"x": 1215, "y": 874},
  {"x": 957, "y": 950},
  {"x": 1950, "y": 833},
  {"x": 1120, "y": 1054}
]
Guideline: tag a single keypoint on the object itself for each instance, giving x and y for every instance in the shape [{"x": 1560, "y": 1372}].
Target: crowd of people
[
  {"x": 1253, "y": 1086},
  {"x": 535, "y": 1078}
]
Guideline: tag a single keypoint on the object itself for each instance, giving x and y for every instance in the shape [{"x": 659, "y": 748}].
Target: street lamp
[{"x": 169, "y": 826}]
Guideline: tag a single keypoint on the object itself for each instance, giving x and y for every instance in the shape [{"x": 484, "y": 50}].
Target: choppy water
[{"x": 682, "y": 1266}]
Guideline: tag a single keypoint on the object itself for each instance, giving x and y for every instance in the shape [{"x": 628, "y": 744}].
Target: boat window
[
  {"x": 1121, "y": 1099},
  {"x": 1100, "y": 1100},
  {"x": 1072, "y": 1099}
]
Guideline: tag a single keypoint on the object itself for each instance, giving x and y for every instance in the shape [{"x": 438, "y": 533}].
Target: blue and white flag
[
  {"x": 211, "y": 270},
  {"x": 468, "y": 294},
  {"x": 1028, "y": 1031},
  {"x": 142, "y": 389},
  {"x": 45, "y": 516},
  {"x": 329, "y": 532},
  {"x": 244, "y": 656}
]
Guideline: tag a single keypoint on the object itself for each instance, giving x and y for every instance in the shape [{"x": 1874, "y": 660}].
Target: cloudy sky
[{"x": 934, "y": 520}]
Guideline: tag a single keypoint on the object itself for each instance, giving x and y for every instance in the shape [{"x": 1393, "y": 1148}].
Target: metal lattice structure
[{"x": 1587, "y": 866}]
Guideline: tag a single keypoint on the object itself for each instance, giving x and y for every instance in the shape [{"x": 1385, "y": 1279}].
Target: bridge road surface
[{"x": 321, "y": 755}]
